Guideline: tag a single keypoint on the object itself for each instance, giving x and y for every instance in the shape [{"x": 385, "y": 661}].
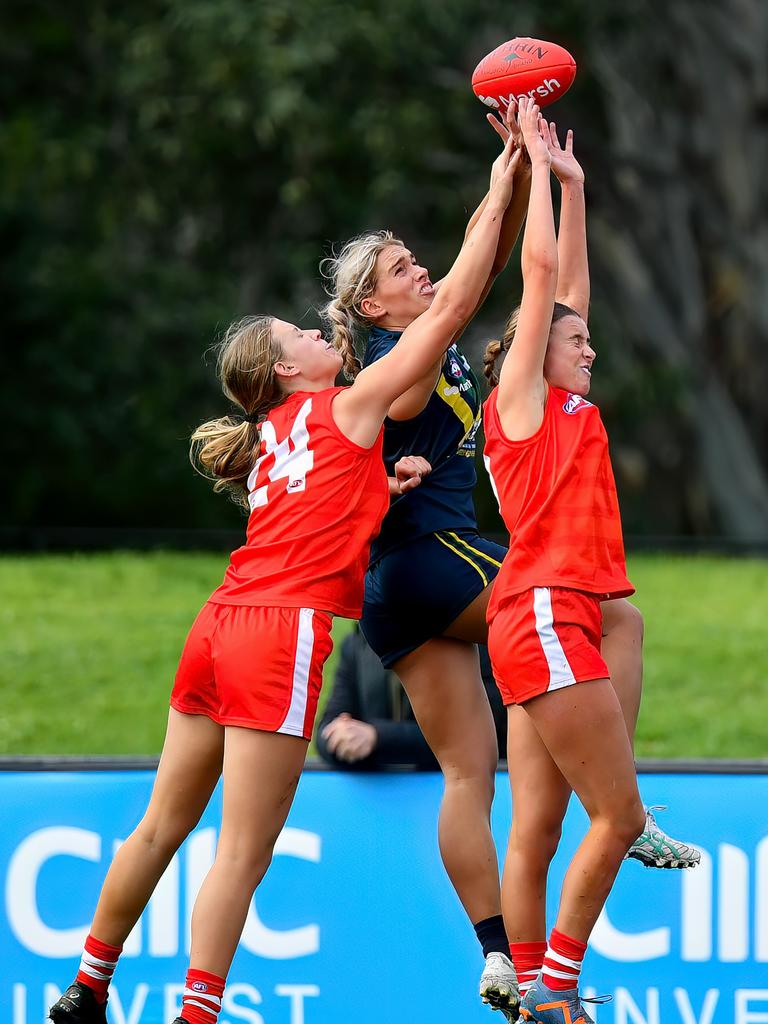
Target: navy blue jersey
[{"x": 444, "y": 434}]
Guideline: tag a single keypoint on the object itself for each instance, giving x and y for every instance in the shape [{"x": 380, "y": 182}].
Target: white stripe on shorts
[
  {"x": 293, "y": 724},
  {"x": 560, "y": 673}
]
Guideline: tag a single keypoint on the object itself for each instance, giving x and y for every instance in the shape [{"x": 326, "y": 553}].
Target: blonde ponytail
[
  {"x": 342, "y": 326},
  {"x": 351, "y": 278},
  {"x": 224, "y": 450},
  {"x": 494, "y": 348}
]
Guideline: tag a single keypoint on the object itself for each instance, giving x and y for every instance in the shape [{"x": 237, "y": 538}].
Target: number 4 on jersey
[{"x": 293, "y": 458}]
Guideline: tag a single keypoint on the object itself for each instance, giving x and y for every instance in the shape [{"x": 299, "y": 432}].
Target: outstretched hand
[
  {"x": 507, "y": 125},
  {"x": 529, "y": 117},
  {"x": 503, "y": 172},
  {"x": 564, "y": 164}
]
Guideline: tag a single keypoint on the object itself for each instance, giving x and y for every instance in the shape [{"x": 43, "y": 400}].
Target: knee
[
  {"x": 244, "y": 864},
  {"x": 627, "y": 821},
  {"x": 165, "y": 834},
  {"x": 477, "y": 778},
  {"x": 536, "y": 840}
]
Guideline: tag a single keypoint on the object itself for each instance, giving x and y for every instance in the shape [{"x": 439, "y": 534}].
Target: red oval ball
[{"x": 524, "y": 67}]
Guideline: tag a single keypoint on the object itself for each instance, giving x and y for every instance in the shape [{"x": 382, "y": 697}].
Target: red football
[{"x": 524, "y": 67}]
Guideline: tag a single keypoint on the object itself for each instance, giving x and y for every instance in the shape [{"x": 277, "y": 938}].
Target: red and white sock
[
  {"x": 202, "y": 997},
  {"x": 562, "y": 961},
  {"x": 97, "y": 966},
  {"x": 527, "y": 958}
]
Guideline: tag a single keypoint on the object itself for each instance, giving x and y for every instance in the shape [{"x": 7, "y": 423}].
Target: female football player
[
  {"x": 547, "y": 454},
  {"x": 305, "y": 458}
]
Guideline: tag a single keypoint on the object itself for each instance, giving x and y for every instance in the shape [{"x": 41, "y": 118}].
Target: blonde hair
[
  {"x": 352, "y": 278},
  {"x": 225, "y": 450},
  {"x": 494, "y": 348}
]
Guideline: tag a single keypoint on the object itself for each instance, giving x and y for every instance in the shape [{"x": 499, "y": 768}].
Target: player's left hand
[
  {"x": 564, "y": 164},
  {"x": 506, "y": 125},
  {"x": 409, "y": 472}
]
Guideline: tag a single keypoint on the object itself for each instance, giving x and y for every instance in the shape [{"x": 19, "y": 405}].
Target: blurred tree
[{"x": 168, "y": 165}]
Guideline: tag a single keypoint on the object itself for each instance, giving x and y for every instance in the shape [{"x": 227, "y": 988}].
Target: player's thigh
[
  {"x": 540, "y": 793},
  {"x": 190, "y": 766},
  {"x": 261, "y": 772},
  {"x": 443, "y": 682},
  {"x": 471, "y": 624},
  {"x": 583, "y": 729}
]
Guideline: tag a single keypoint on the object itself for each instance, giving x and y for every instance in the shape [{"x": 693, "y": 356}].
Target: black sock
[{"x": 492, "y": 936}]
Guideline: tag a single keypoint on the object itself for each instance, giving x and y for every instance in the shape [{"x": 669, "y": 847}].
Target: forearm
[
  {"x": 476, "y": 216},
  {"x": 461, "y": 289},
  {"x": 573, "y": 275},
  {"x": 539, "y": 243},
  {"x": 513, "y": 221}
]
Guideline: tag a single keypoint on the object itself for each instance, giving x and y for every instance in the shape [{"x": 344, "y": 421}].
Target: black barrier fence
[
  {"x": 645, "y": 766},
  {"x": 87, "y": 538}
]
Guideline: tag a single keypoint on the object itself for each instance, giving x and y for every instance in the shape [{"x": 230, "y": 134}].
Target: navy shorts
[{"x": 416, "y": 591}]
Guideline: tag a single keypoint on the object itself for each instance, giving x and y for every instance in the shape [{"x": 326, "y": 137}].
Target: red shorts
[
  {"x": 544, "y": 639},
  {"x": 256, "y": 667}
]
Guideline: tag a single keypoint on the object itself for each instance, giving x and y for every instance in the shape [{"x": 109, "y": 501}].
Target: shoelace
[
  {"x": 656, "y": 807},
  {"x": 596, "y": 999}
]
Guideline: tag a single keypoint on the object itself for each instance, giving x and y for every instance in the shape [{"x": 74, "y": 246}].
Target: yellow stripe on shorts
[
  {"x": 475, "y": 551},
  {"x": 466, "y": 558}
]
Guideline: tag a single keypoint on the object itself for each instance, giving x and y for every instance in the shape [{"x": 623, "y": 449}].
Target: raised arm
[
  {"x": 522, "y": 388},
  {"x": 515, "y": 212},
  {"x": 415, "y": 399},
  {"x": 360, "y": 410},
  {"x": 573, "y": 276}
]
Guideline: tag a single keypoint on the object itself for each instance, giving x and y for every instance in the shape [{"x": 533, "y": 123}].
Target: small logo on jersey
[
  {"x": 199, "y": 986},
  {"x": 455, "y": 368},
  {"x": 296, "y": 485},
  {"x": 574, "y": 404}
]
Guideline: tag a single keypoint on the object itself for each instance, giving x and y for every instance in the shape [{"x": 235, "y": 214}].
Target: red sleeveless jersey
[
  {"x": 558, "y": 500},
  {"x": 317, "y": 501}
]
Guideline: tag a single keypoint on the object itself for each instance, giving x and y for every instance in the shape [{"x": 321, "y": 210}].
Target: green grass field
[{"x": 90, "y": 643}]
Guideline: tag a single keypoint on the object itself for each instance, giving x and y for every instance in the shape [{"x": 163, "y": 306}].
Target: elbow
[
  {"x": 543, "y": 266},
  {"x": 452, "y": 312}
]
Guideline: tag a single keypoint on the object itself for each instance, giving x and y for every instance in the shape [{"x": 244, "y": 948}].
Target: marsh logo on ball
[
  {"x": 524, "y": 67},
  {"x": 541, "y": 92},
  {"x": 575, "y": 403}
]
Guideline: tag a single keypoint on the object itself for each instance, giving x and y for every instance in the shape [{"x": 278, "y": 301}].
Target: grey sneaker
[
  {"x": 654, "y": 848},
  {"x": 543, "y": 1005},
  {"x": 498, "y": 985}
]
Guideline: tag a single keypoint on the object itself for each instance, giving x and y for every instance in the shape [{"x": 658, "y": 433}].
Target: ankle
[{"x": 562, "y": 961}]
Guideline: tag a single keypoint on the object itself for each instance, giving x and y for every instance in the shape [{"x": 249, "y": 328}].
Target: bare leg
[
  {"x": 261, "y": 773},
  {"x": 622, "y": 649},
  {"x": 540, "y": 797},
  {"x": 189, "y": 769},
  {"x": 583, "y": 728},
  {"x": 471, "y": 625},
  {"x": 442, "y": 679}
]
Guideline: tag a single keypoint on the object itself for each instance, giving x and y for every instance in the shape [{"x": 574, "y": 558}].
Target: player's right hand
[{"x": 409, "y": 472}]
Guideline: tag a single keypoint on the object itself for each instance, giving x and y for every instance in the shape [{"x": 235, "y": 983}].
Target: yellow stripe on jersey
[
  {"x": 466, "y": 558},
  {"x": 475, "y": 551},
  {"x": 451, "y": 395}
]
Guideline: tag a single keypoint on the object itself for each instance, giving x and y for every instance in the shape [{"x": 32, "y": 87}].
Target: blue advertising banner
[{"x": 356, "y": 920}]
